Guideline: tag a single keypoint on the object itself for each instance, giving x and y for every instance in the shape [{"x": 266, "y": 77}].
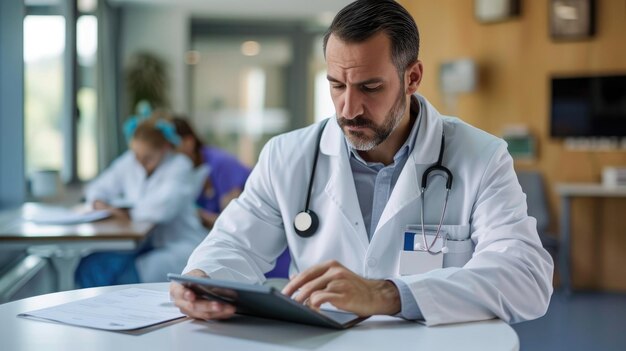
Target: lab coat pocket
[{"x": 460, "y": 245}]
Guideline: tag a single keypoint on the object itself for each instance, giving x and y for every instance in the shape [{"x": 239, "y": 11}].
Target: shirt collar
[{"x": 409, "y": 143}]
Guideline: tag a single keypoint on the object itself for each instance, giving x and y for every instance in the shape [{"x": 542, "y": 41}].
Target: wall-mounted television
[{"x": 588, "y": 106}]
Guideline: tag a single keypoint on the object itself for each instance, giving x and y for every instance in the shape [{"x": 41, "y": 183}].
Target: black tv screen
[{"x": 588, "y": 106}]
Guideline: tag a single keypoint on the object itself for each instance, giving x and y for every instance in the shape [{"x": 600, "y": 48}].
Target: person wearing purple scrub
[
  {"x": 221, "y": 177},
  {"x": 224, "y": 175}
]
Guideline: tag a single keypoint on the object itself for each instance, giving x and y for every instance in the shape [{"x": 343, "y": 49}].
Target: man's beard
[{"x": 359, "y": 141}]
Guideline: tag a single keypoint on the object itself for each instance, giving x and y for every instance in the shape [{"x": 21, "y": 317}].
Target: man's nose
[{"x": 352, "y": 105}]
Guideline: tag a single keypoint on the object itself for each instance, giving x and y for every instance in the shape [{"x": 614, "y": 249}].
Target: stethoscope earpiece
[{"x": 306, "y": 223}]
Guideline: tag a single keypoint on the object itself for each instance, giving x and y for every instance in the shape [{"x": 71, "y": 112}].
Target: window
[
  {"x": 323, "y": 106},
  {"x": 51, "y": 141},
  {"x": 44, "y": 45},
  {"x": 239, "y": 93},
  {"x": 86, "y": 99},
  {"x": 251, "y": 80}
]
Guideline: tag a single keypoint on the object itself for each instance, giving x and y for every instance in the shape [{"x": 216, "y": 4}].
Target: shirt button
[{"x": 372, "y": 262}]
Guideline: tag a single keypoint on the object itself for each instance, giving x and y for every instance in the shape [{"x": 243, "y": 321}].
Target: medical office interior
[{"x": 548, "y": 76}]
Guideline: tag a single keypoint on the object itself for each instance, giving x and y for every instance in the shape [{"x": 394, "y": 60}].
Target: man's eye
[
  {"x": 338, "y": 86},
  {"x": 371, "y": 87}
]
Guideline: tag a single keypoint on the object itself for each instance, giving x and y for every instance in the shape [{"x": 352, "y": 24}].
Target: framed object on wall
[
  {"x": 572, "y": 19},
  {"x": 488, "y": 11}
]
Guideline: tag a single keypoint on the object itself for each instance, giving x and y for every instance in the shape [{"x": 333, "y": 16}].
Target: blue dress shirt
[{"x": 374, "y": 183}]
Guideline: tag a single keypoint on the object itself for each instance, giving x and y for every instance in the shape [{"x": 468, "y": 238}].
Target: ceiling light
[
  {"x": 250, "y": 48},
  {"x": 192, "y": 57}
]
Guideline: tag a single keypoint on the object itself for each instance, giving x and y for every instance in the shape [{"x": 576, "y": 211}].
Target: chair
[{"x": 533, "y": 185}]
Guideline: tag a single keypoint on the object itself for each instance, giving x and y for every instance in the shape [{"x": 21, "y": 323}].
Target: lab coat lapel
[
  {"x": 340, "y": 187},
  {"x": 425, "y": 152}
]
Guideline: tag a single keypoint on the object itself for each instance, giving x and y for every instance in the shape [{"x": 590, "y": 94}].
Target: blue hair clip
[
  {"x": 130, "y": 126},
  {"x": 166, "y": 128},
  {"x": 144, "y": 110},
  {"x": 169, "y": 131}
]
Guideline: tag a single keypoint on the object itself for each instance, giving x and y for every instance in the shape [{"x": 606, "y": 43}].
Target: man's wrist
[{"x": 389, "y": 297}]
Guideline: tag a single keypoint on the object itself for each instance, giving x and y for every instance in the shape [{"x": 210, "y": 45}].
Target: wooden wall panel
[{"x": 516, "y": 59}]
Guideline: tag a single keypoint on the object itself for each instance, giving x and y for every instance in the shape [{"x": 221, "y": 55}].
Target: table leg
[
  {"x": 65, "y": 256},
  {"x": 565, "y": 245},
  {"x": 65, "y": 265},
  {"x": 64, "y": 262}
]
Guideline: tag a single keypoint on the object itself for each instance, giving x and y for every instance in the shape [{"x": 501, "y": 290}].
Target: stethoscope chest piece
[{"x": 306, "y": 223}]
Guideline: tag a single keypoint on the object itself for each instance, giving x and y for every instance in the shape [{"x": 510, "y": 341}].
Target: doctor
[{"x": 390, "y": 238}]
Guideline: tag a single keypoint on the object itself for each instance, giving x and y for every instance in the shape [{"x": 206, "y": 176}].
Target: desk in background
[
  {"x": 66, "y": 244},
  {"x": 242, "y": 332},
  {"x": 567, "y": 192}
]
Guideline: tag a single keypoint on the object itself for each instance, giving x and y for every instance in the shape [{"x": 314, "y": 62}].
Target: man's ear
[{"x": 413, "y": 77}]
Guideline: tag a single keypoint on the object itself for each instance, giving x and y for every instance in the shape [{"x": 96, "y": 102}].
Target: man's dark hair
[{"x": 363, "y": 19}]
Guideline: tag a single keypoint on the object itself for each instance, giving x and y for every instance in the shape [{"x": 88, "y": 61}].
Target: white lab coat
[
  {"x": 508, "y": 276},
  {"x": 166, "y": 198}
]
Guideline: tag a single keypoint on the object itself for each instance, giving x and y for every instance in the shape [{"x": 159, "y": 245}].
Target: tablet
[{"x": 263, "y": 301}]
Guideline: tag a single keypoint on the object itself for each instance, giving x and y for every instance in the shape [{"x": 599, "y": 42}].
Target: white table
[
  {"x": 241, "y": 333},
  {"x": 567, "y": 191}
]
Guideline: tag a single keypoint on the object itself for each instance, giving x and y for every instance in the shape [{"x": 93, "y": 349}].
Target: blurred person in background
[
  {"x": 219, "y": 176},
  {"x": 150, "y": 182}
]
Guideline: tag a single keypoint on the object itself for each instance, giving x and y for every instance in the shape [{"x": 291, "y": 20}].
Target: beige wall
[{"x": 516, "y": 59}]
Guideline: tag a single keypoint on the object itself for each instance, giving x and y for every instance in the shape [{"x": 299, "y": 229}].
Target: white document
[
  {"x": 121, "y": 203},
  {"x": 127, "y": 309},
  {"x": 60, "y": 215}
]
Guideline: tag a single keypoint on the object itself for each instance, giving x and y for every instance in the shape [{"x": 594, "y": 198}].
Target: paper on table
[
  {"x": 60, "y": 215},
  {"x": 122, "y": 203},
  {"x": 126, "y": 309}
]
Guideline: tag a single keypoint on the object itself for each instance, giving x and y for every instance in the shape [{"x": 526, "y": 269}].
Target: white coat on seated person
[
  {"x": 165, "y": 198},
  {"x": 508, "y": 275}
]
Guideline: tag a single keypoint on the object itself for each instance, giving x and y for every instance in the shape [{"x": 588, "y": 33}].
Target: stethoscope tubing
[
  {"x": 436, "y": 167},
  {"x": 426, "y": 246},
  {"x": 448, "y": 175}
]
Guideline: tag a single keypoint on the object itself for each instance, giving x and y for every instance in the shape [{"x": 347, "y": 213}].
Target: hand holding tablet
[
  {"x": 193, "y": 305},
  {"x": 223, "y": 298}
]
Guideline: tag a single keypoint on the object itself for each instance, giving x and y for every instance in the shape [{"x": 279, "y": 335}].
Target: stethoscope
[
  {"x": 448, "y": 175},
  {"x": 306, "y": 221}
]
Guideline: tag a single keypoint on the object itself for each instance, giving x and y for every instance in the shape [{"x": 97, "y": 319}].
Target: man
[{"x": 368, "y": 196}]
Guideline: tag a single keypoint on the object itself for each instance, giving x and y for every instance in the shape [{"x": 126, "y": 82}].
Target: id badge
[{"x": 414, "y": 259}]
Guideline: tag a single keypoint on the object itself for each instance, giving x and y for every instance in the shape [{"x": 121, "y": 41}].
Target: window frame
[
  {"x": 12, "y": 180},
  {"x": 70, "y": 115}
]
